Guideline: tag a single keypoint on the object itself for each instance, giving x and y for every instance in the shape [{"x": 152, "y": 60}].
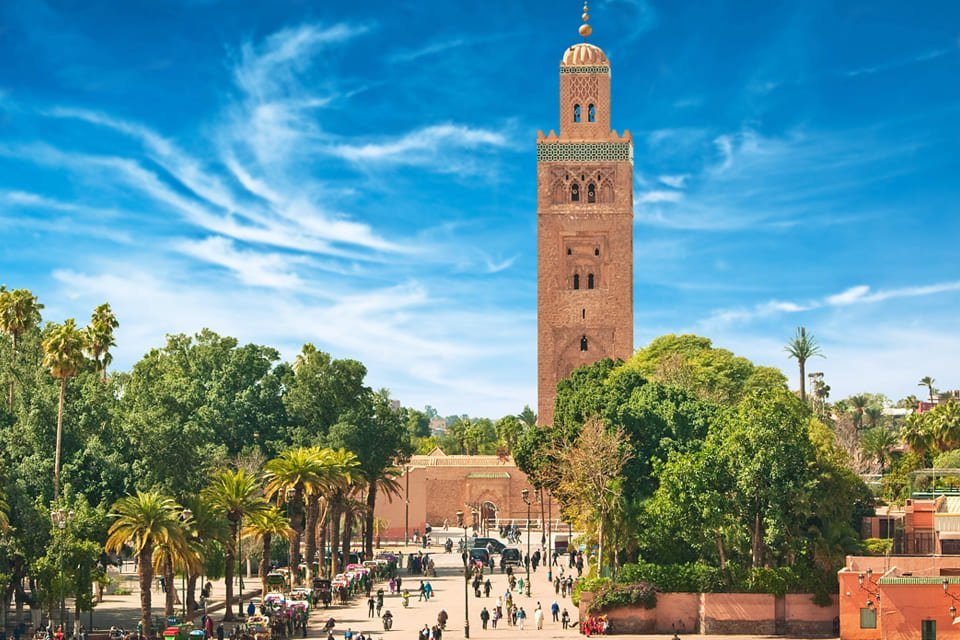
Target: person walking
[
  {"x": 484, "y": 617},
  {"x": 565, "y": 618},
  {"x": 555, "y": 611},
  {"x": 487, "y": 588},
  {"x": 538, "y": 616},
  {"x": 521, "y": 618},
  {"x": 371, "y": 606},
  {"x": 497, "y": 612}
]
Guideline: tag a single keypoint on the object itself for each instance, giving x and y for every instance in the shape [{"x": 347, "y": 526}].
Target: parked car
[
  {"x": 495, "y": 544},
  {"x": 480, "y": 554},
  {"x": 511, "y": 557}
]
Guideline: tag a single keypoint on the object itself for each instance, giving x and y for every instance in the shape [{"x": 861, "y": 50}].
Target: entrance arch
[{"x": 488, "y": 515}]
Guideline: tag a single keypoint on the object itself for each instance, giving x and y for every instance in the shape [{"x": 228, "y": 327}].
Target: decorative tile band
[
  {"x": 584, "y": 152},
  {"x": 584, "y": 69}
]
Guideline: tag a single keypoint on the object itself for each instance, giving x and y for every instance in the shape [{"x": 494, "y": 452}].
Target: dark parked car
[
  {"x": 495, "y": 544},
  {"x": 511, "y": 557},
  {"x": 480, "y": 554}
]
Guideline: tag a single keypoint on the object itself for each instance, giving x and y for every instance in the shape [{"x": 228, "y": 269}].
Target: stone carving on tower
[{"x": 584, "y": 228}]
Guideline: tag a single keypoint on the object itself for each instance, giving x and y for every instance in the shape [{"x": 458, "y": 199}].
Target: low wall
[
  {"x": 678, "y": 613},
  {"x": 724, "y": 614},
  {"x": 739, "y": 613}
]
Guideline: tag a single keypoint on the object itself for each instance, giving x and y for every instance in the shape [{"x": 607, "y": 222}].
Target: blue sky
[{"x": 362, "y": 176}]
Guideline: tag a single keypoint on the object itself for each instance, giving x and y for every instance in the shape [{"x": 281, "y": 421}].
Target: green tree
[
  {"x": 144, "y": 521},
  {"x": 528, "y": 417},
  {"x": 320, "y": 391},
  {"x": 263, "y": 527},
  {"x": 917, "y": 433},
  {"x": 877, "y": 444},
  {"x": 63, "y": 355},
  {"x": 19, "y": 312},
  {"x": 376, "y": 433},
  {"x": 927, "y": 381},
  {"x": 858, "y": 408},
  {"x": 237, "y": 495},
  {"x": 290, "y": 477},
  {"x": 509, "y": 429},
  {"x": 98, "y": 336},
  {"x": 802, "y": 347}
]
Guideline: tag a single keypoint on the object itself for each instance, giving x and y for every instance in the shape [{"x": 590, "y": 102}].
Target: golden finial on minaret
[{"x": 585, "y": 29}]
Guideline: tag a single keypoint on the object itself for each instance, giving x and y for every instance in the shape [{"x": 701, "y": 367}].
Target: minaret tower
[{"x": 584, "y": 227}]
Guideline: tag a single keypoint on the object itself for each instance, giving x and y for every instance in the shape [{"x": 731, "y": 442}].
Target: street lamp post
[
  {"x": 549, "y": 536},
  {"x": 185, "y": 517},
  {"x": 466, "y": 577},
  {"x": 525, "y": 494},
  {"x": 61, "y": 518}
]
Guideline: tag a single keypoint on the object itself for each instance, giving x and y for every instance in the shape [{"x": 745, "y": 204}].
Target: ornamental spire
[{"x": 585, "y": 29}]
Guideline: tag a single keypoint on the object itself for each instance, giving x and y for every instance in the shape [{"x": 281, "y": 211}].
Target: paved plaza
[{"x": 448, "y": 595}]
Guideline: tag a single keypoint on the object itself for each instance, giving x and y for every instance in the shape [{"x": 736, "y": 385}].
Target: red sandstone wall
[
  {"x": 678, "y": 613},
  {"x": 739, "y": 613}
]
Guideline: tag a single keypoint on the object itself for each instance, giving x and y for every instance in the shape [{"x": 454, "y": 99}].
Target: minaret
[{"x": 584, "y": 227}]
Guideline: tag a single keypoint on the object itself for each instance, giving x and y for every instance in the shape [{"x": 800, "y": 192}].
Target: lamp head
[
  {"x": 459, "y": 518},
  {"x": 869, "y": 572},
  {"x": 953, "y": 611},
  {"x": 860, "y": 579},
  {"x": 525, "y": 494},
  {"x": 946, "y": 585}
]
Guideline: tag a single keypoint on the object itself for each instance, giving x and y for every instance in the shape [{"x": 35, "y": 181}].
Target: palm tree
[
  {"x": 143, "y": 521},
  {"x": 290, "y": 477},
  {"x": 916, "y": 433},
  {"x": 262, "y": 527},
  {"x": 19, "y": 312},
  {"x": 173, "y": 553},
  {"x": 927, "y": 381},
  {"x": 384, "y": 483},
  {"x": 63, "y": 354},
  {"x": 877, "y": 444},
  {"x": 858, "y": 406},
  {"x": 99, "y": 337},
  {"x": 946, "y": 425},
  {"x": 874, "y": 415},
  {"x": 238, "y": 495},
  {"x": 803, "y": 347},
  {"x": 205, "y": 527},
  {"x": 335, "y": 469}
]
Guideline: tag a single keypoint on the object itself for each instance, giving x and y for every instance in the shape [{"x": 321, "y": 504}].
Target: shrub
[
  {"x": 877, "y": 546},
  {"x": 691, "y": 577},
  {"x": 613, "y": 595},
  {"x": 587, "y": 584}
]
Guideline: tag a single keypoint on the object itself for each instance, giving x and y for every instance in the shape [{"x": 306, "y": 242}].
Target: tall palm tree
[
  {"x": 263, "y": 527},
  {"x": 205, "y": 527},
  {"x": 290, "y": 477},
  {"x": 858, "y": 407},
  {"x": 385, "y": 483},
  {"x": 916, "y": 433},
  {"x": 874, "y": 415},
  {"x": 143, "y": 521},
  {"x": 176, "y": 552},
  {"x": 63, "y": 355},
  {"x": 99, "y": 337},
  {"x": 238, "y": 495},
  {"x": 19, "y": 312},
  {"x": 335, "y": 470},
  {"x": 927, "y": 381},
  {"x": 946, "y": 425},
  {"x": 877, "y": 443},
  {"x": 803, "y": 347}
]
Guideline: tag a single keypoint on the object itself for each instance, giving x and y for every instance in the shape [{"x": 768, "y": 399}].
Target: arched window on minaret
[
  {"x": 576, "y": 113},
  {"x": 589, "y": 281},
  {"x": 591, "y": 113},
  {"x": 591, "y": 192},
  {"x": 583, "y": 343},
  {"x": 576, "y": 281},
  {"x": 575, "y": 192}
]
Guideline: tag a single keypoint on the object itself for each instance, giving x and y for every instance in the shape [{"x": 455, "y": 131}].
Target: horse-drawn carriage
[{"x": 257, "y": 628}]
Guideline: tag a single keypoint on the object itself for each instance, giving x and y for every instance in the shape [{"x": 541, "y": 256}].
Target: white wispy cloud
[
  {"x": 676, "y": 181},
  {"x": 422, "y": 146},
  {"x": 659, "y": 196},
  {"x": 256, "y": 268},
  {"x": 925, "y": 56},
  {"x": 856, "y": 295}
]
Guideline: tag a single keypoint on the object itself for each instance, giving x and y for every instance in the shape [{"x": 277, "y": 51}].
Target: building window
[
  {"x": 928, "y": 630},
  {"x": 591, "y": 113},
  {"x": 576, "y": 113},
  {"x": 575, "y": 192},
  {"x": 583, "y": 343},
  {"x": 583, "y": 314},
  {"x": 596, "y": 251},
  {"x": 576, "y": 281},
  {"x": 591, "y": 192},
  {"x": 569, "y": 251},
  {"x": 589, "y": 281},
  {"x": 868, "y": 618}
]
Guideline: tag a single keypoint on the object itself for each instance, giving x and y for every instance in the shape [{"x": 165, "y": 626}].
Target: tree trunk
[
  {"x": 600, "y": 548},
  {"x": 757, "y": 541},
  {"x": 230, "y": 558},
  {"x": 334, "y": 538},
  {"x": 310, "y": 528},
  {"x": 368, "y": 518},
  {"x": 803, "y": 381},
  {"x": 721, "y": 552},
  {"x": 168, "y": 604},
  {"x": 347, "y": 535},
  {"x": 295, "y": 513},
  {"x": 145, "y": 569},
  {"x": 56, "y": 459},
  {"x": 265, "y": 563},
  {"x": 324, "y": 567},
  {"x": 192, "y": 604}
]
